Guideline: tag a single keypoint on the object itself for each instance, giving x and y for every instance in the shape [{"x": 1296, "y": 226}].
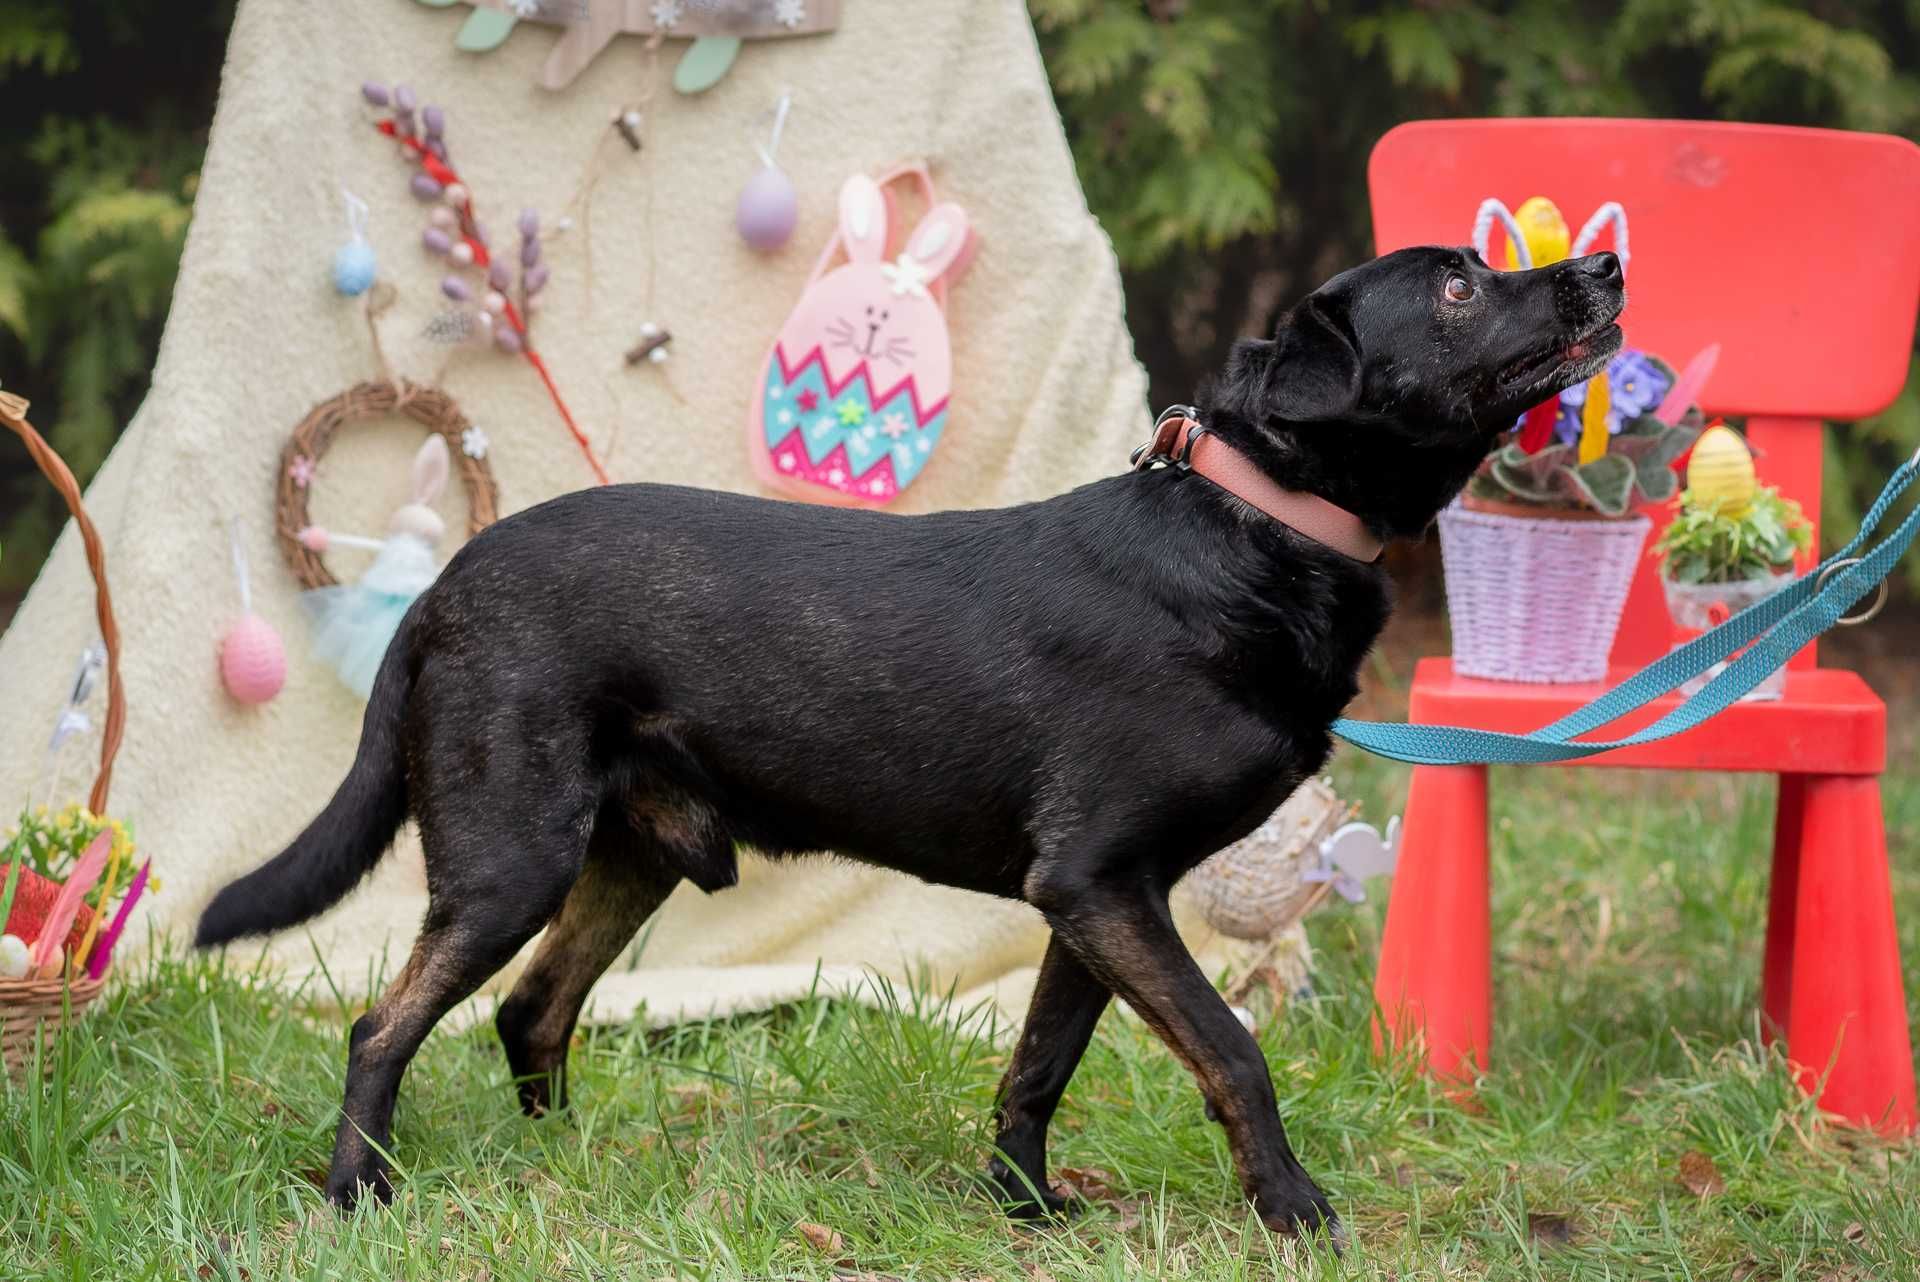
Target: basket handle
[{"x": 13, "y": 413}]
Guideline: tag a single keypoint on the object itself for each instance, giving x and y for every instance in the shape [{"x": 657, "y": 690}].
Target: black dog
[{"x": 1071, "y": 702}]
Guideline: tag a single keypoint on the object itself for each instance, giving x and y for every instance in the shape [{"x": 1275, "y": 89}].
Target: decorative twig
[{"x": 454, "y": 232}]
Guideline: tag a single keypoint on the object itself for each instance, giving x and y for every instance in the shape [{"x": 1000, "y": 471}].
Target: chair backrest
[{"x": 1798, "y": 250}]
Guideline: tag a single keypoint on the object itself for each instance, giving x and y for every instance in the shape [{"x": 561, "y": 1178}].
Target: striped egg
[{"x": 1720, "y": 474}]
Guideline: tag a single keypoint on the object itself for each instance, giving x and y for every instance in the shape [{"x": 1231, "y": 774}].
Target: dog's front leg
[
  {"x": 1124, "y": 934},
  {"x": 1067, "y": 1001}
]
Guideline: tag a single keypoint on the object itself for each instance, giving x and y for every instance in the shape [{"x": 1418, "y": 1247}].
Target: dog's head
[{"x": 1431, "y": 343}]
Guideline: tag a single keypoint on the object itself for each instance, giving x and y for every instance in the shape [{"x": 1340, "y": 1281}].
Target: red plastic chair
[{"x": 1799, "y": 251}]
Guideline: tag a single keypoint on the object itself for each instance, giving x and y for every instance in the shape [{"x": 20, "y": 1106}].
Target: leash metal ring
[{"x": 1879, "y": 601}]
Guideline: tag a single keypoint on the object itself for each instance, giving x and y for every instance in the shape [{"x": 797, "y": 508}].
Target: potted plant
[
  {"x": 1541, "y": 549},
  {"x": 1732, "y": 542}
]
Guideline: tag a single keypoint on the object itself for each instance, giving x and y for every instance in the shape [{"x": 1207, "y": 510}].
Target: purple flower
[{"x": 1637, "y": 383}]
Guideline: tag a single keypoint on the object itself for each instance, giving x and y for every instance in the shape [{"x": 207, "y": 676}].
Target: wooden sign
[{"x": 715, "y": 26}]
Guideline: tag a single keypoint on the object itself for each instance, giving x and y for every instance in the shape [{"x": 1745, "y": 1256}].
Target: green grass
[{"x": 185, "y": 1135}]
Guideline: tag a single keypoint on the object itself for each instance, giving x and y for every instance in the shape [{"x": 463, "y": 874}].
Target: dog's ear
[{"x": 1313, "y": 371}]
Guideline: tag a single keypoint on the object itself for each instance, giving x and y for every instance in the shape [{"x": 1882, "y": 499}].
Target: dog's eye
[{"x": 1459, "y": 289}]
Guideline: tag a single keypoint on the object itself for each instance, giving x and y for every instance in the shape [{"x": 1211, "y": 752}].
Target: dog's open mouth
[{"x": 1563, "y": 361}]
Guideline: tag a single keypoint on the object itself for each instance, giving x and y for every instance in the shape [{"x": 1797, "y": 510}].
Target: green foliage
[
  {"x": 1639, "y": 459},
  {"x": 1704, "y": 544},
  {"x": 101, "y": 157}
]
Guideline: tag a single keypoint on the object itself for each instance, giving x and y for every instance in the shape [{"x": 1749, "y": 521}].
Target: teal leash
[{"x": 1777, "y": 627}]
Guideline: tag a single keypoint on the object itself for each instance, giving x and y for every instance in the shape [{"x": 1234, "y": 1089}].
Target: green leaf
[
  {"x": 1656, "y": 481},
  {"x": 1523, "y": 484},
  {"x": 1606, "y": 483}
]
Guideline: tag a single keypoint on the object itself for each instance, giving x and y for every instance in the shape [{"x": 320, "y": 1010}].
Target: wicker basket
[
  {"x": 33, "y": 1011},
  {"x": 1254, "y": 888},
  {"x": 1535, "y": 598}
]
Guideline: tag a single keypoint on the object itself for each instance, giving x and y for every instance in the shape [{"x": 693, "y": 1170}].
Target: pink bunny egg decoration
[{"x": 854, "y": 394}]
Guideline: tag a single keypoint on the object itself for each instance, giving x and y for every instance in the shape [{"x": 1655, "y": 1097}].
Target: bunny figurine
[
  {"x": 354, "y": 623},
  {"x": 853, "y": 396}
]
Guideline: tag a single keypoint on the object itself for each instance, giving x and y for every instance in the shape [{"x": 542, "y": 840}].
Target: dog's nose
[{"x": 1603, "y": 268}]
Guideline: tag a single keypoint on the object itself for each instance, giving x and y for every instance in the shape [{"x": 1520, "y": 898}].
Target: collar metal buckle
[{"x": 1166, "y": 431}]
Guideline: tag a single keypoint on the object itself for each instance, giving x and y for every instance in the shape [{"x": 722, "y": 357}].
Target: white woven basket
[{"x": 1536, "y": 598}]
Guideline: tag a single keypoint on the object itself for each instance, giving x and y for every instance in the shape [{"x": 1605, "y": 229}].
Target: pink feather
[
  {"x": 1686, "y": 389},
  {"x": 103, "y": 949},
  {"x": 53, "y": 931}
]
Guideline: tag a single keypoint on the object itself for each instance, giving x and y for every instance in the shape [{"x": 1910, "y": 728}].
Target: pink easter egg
[
  {"x": 253, "y": 663},
  {"x": 768, "y": 209}
]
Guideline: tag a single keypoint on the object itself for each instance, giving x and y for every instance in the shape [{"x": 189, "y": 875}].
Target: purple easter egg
[
  {"x": 534, "y": 280},
  {"x": 529, "y": 252},
  {"x": 768, "y": 209},
  {"x": 424, "y": 187},
  {"x": 529, "y": 223},
  {"x": 456, "y": 289},
  {"x": 403, "y": 97},
  {"x": 436, "y": 241},
  {"x": 435, "y": 121},
  {"x": 499, "y": 275},
  {"x": 375, "y": 94},
  {"x": 507, "y": 339}
]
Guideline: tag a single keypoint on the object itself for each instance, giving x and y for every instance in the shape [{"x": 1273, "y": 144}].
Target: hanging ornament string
[{"x": 466, "y": 245}]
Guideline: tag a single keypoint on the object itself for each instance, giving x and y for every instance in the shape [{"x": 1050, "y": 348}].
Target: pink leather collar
[{"x": 1180, "y": 441}]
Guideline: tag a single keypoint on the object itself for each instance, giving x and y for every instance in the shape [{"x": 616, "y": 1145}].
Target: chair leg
[
  {"x": 1435, "y": 978},
  {"x": 1776, "y": 974},
  {"x": 1847, "y": 1019}
]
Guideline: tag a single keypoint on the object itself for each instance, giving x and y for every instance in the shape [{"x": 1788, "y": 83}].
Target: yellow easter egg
[
  {"x": 1720, "y": 473},
  {"x": 1548, "y": 238}
]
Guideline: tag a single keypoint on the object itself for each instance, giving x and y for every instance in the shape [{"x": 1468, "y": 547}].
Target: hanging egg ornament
[
  {"x": 1548, "y": 238},
  {"x": 253, "y": 662},
  {"x": 769, "y": 207},
  {"x": 1720, "y": 474},
  {"x": 354, "y": 265}
]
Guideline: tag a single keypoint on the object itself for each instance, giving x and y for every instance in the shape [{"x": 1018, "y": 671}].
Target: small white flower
[
  {"x": 667, "y": 12},
  {"x": 925, "y": 445},
  {"x": 524, "y": 8},
  {"x": 836, "y": 476},
  {"x": 473, "y": 443},
  {"x": 789, "y": 13},
  {"x": 907, "y": 275},
  {"x": 784, "y": 416},
  {"x": 776, "y": 391}
]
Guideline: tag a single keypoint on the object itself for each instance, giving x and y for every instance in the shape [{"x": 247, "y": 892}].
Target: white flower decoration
[
  {"x": 667, "y": 12},
  {"x": 907, "y": 275},
  {"x": 789, "y": 13},
  {"x": 524, "y": 8},
  {"x": 473, "y": 443}
]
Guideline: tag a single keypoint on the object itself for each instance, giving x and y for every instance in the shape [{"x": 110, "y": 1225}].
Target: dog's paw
[
  {"x": 1307, "y": 1215},
  {"x": 1022, "y": 1201},
  {"x": 345, "y": 1189}
]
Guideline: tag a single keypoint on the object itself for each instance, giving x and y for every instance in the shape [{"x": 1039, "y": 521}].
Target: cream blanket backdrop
[{"x": 1047, "y": 396}]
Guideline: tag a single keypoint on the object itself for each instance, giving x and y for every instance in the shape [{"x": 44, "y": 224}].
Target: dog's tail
[{"x": 347, "y": 838}]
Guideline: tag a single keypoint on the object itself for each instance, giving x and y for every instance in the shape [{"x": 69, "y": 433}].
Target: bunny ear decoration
[
  {"x": 866, "y": 216},
  {"x": 941, "y": 241},
  {"x": 432, "y": 467}
]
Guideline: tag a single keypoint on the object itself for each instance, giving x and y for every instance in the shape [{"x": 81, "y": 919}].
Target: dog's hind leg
[
  {"x": 1067, "y": 1002},
  {"x": 623, "y": 882},
  {"x": 458, "y": 949},
  {"x": 1126, "y": 937}
]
